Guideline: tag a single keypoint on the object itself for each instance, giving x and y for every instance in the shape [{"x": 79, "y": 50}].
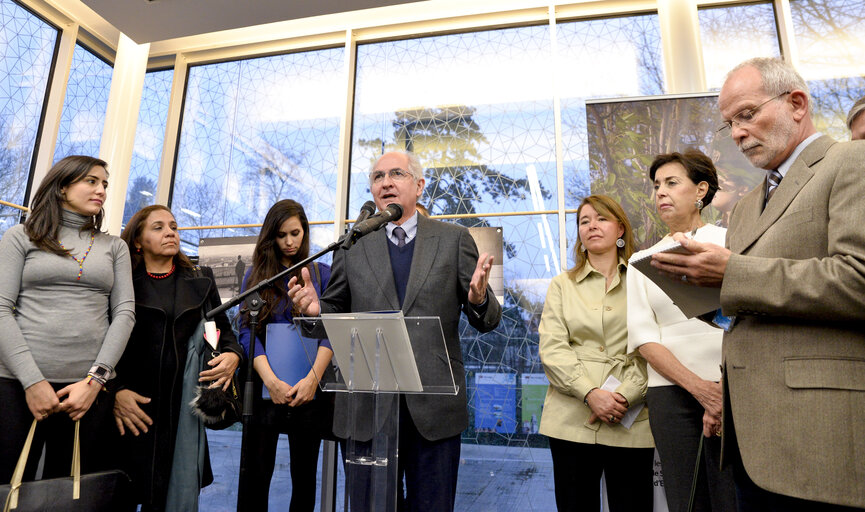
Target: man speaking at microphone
[{"x": 425, "y": 268}]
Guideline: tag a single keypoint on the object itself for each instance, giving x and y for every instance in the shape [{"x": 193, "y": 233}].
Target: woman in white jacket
[{"x": 684, "y": 355}]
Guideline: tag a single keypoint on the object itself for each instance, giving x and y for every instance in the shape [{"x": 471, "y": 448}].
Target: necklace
[
  {"x": 80, "y": 261},
  {"x": 162, "y": 276}
]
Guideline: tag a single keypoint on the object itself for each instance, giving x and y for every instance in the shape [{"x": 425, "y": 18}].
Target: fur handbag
[{"x": 216, "y": 408}]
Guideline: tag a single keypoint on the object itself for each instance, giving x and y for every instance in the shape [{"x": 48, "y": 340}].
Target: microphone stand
[{"x": 255, "y": 303}]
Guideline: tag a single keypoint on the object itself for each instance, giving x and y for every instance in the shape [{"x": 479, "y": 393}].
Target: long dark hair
[
  {"x": 267, "y": 257},
  {"x": 132, "y": 232},
  {"x": 46, "y": 210}
]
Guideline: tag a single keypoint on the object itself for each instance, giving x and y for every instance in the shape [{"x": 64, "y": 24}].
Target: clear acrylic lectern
[{"x": 378, "y": 357}]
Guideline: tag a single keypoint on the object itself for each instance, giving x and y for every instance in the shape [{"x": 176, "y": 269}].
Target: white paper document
[
  {"x": 692, "y": 300},
  {"x": 611, "y": 384}
]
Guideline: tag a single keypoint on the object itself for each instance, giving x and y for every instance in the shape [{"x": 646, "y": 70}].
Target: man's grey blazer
[
  {"x": 795, "y": 358},
  {"x": 443, "y": 261}
]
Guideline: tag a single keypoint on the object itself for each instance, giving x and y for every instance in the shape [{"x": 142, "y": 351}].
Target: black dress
[{"x": 167, "y": 312}]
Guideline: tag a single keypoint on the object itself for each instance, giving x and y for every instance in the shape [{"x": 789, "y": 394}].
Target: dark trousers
[
  {"x": 428, "y": 467},
  {"x": 303, "y": 446},
  {"x": 426, "y": 471},
  {"x": 752, "y": 498},
  {"x": 577, "y": 469},
  {"x": 676, "y": 420},
  {"x": 54, "y": 434}
]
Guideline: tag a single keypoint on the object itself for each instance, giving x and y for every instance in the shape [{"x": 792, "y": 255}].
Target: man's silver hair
[
  {"x": 856, "y": 111},
  {"x": 414, "y": 165},
  {"x": 778, "y": 77}
]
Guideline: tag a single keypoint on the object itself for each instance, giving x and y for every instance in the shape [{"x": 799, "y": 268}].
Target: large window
[
  {"x": 830, "y": 36},
  {"x": 149, "y": 136},
  {"x": 257, "y": 131},
  {"x": 603, "y": 58},
  {"x": 478, "y": 109},
  {"x": 84, "y": 106},
  {"x": 26, "y": 53},
  {"x": 723, "y": 33}
]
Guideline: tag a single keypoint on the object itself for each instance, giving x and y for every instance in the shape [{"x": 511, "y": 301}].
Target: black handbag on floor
[{"x": 93, "y": 492}]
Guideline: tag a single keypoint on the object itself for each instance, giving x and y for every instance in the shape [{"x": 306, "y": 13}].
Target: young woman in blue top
[{"x": 293, "y": 408}]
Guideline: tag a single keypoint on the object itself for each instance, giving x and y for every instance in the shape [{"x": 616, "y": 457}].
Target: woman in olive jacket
[{"x": 170, "y": 299}]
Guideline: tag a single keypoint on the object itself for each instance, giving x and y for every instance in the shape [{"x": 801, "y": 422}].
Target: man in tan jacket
[{"x": 793, "y": 280}]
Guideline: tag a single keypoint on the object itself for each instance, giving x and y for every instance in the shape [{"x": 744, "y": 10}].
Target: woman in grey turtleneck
[{"x": 66, "y": 311}]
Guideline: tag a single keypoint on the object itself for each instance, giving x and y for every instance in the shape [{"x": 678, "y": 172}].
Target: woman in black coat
[{"x": 171, "y": 297}]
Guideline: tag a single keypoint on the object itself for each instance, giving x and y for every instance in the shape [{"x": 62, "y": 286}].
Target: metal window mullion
[
  {"x": 557, "y": 121},
  {"x": 56, "y": 96},
  {"x": 344, "y": 148},
  {"x": 171, "y": 139}
]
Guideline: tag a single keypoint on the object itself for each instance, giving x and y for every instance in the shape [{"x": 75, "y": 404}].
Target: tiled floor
[{"x": 491, "y": 478}]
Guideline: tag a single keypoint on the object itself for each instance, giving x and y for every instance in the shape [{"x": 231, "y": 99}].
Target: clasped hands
[
  {"x": 606, "y": 406},
  {"x": 283, "y": 393},
  {"x": 74, "y": 399}
]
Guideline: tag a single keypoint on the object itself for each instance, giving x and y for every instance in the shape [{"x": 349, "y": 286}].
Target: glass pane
[
  {"x": 26, "y": 52},
  {"x": 610, "y": 57},
  {"x": 477, "y": 110},
  {"x": 833, "y": 98},
  {"x": 505, "y": 382},
  {"x": 721, "y": 30},
  {"x": 257, "y": 131},
  {"x": 149, "y": 136},
  {"x": 84, "y": 107},
  {"x": 830, "y": 36}
]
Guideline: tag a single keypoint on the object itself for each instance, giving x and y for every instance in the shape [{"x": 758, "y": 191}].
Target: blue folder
[{"x": 288, "y": 354}]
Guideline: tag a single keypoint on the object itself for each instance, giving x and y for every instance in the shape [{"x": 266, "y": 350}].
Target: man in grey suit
[
  {"x": 425, "y": 268},
  {"x": 793, "y": 280}
]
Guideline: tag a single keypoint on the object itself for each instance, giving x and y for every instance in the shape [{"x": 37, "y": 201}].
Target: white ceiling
[{"x": 147, "y": 21}]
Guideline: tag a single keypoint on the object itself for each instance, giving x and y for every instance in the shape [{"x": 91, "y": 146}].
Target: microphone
[
  {"x": 366, "y": 210},
  {"x": 374, "y": 223}
]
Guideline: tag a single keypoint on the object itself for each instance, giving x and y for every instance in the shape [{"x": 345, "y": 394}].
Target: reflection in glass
[
  {"x": 477, "y": 110},
  {"x": 149, "y": 136},
  {"x": 731, "y": 34},
  {"x": 830, "y": 37},
  {"x": 84, "y": 106},
  {"x": 26, "y": 50},
  {"x": 609, "y": 57},
  {"x": 256, "y": 131}
]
